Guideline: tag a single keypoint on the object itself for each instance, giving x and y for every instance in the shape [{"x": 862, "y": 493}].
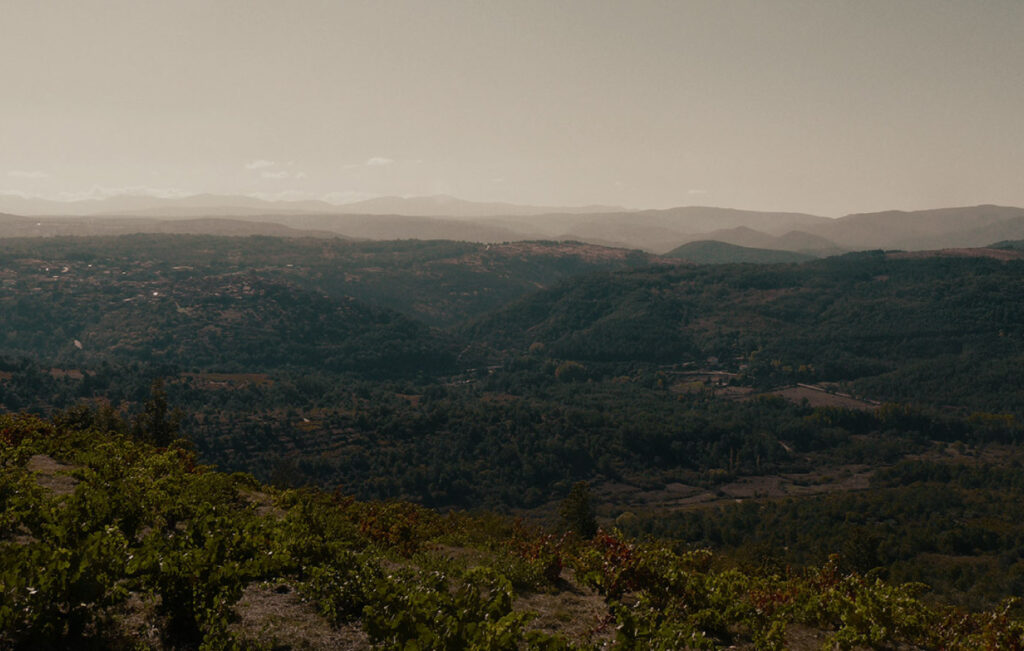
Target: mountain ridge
[
  {"x": 653, "y": 230},
  {"x": 190, "y": 205}
]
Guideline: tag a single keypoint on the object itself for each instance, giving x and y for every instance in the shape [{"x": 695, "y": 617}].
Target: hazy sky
[{"x": 817, "y": 106}]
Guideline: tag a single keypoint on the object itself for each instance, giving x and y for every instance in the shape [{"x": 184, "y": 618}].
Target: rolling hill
[
  {"x": 222, "y": 323},
  {"x": 922, "y": 229},
  {"x": 886, "y": 323},
  {"x": 714, "y": 252},
  {"x": 440, "y": 283},
  {"x": 659, "y": 230},
  {"x": 793, "y": 241}
]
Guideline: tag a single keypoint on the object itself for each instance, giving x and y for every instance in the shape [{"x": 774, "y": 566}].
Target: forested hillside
[
  {"x": 944, "y": 330},
  {"x": 438, "y": 282},
  {"x": 227, "y": 322},
  {"x": 871, "y": 397}
]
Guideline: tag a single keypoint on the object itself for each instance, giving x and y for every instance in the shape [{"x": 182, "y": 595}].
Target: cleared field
[
  {"x": 818, "y": 397},
  {"x": 980, "y": 252},
  {"x": 227, "y": 380}
]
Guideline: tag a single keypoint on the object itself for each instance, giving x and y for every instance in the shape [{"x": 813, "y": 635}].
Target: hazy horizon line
[{"x": 99, "y": 194}]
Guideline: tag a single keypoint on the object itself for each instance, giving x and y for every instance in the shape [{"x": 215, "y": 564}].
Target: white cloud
[
  {"x": 259, "y": 164},
  {"x": 374, "y": 161},
  {"x": 28, "y": 174}
]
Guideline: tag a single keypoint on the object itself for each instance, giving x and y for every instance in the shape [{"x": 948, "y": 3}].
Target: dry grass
[{"x": 576, "y": 612}]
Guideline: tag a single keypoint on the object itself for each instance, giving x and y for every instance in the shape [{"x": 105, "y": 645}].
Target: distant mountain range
[
  {"x": 442, "y": 205},
  {"x": 211, "y": 205},
  {"x": 200, "y": 205},
  {"x": 925, "y": 229},
  {"x": 16, "y": 226},
  {"x": 444, "y": 217}
]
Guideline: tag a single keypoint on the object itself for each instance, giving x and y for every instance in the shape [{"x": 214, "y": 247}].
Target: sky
[{"x": 820, "y": 106}]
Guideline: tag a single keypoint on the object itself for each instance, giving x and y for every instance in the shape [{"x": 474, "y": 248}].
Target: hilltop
[
  {"x": 882, "y": 322},
  {"x": 713, "y": 252}
]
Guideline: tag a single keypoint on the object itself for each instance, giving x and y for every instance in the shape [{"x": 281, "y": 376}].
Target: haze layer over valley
[{"x": 656, "y": 231}]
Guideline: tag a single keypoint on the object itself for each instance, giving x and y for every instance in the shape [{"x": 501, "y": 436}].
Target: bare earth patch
[
  {"x": 679, "y": 496},
  {"x": 265, "y": 505},
  {"x": 51, "y": 474},
  {"x": 278, "y": 614}
]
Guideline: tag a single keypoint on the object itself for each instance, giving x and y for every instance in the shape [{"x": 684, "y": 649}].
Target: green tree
[
  {"x": 577, "y": 511},
  {"x": 157, "y": 424}
]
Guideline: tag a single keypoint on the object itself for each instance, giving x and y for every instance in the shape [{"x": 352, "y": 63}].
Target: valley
[{"x": 771, "y": 412}]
